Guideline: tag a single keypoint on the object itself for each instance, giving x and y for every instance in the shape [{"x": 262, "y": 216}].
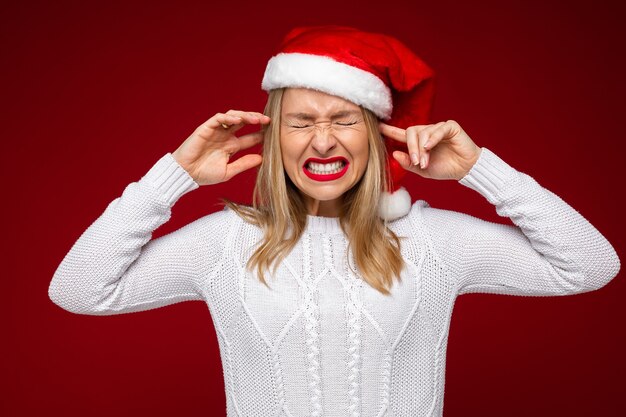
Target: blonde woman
[{"x": 332, "y": 294}]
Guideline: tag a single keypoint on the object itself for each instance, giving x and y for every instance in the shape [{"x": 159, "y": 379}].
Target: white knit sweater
[{"x": 322, "y": 342}]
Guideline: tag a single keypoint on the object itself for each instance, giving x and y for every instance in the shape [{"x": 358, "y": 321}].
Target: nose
[{"x": 323, "y": 140}]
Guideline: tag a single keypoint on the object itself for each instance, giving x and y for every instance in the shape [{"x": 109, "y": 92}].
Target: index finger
[
  {"x": 250, "y": 117},
  {"x": 392, "y": 132},
  {"x": 247, "y": 118}
]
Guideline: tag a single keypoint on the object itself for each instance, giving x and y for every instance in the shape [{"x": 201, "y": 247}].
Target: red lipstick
[{"x": 325, "y": 177}]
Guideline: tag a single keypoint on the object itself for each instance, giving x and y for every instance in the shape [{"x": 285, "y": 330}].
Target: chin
[
  {"x": 326, "y": 192},
  {"x": 324, "y": 196}
]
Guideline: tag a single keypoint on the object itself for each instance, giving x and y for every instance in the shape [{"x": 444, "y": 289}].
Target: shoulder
[
  {"x": 220, "y": 231},
  {"x": 423, "y": 216},
  {"x": 214, "y": 225},
  {"x": 220, "y": 218},
  {"x": 407, "y": 225},
  {"x": 414, "y": 216}
]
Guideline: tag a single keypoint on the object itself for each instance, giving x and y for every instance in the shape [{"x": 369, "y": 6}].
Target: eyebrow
[{"x": 310, "y": 117}]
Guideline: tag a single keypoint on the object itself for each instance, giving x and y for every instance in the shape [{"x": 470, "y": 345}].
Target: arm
[
  {"x": 115, "y": 268},
  {"x": 552, "y": 250}
]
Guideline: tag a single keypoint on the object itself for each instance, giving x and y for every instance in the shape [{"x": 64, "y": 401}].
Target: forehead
[{"x": 315, "y": 103}]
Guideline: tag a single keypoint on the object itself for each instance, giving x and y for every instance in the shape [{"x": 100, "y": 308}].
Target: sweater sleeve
[
  {"x": 551, "y": 250},
  {"x": 115, "y": 268}
]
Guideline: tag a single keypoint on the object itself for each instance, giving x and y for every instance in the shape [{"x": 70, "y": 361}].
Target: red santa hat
[{"x": 373, "y": 70}]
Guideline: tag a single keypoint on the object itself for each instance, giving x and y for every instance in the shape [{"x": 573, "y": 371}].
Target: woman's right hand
[{"x": 205, "y": 155}]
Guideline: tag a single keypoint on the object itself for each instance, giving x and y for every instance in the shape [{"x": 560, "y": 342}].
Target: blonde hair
[{"x": 279, "y": 209}]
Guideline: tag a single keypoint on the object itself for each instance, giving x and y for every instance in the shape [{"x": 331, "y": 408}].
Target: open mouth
[{"x": 325, "y": 169}]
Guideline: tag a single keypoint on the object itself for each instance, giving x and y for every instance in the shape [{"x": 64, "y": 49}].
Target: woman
[{"x": 329, "y": 298}]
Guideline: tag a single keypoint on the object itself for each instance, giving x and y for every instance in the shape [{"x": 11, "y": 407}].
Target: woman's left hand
[{"x": 439, "y": 151}]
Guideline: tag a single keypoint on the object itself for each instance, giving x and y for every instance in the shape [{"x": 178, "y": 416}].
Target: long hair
[{"x": 279, "y": 209}]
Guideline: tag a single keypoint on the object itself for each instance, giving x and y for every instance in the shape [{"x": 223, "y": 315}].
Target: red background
[{"x": 93, "y": 93}]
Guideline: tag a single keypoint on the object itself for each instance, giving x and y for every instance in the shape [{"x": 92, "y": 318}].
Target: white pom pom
[{"x": 394, "y": 205}]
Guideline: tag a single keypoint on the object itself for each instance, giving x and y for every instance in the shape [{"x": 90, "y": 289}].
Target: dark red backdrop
[{"x": 92, "y": 95}]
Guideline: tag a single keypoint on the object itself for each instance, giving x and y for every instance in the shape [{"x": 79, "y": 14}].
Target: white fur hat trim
[
  {"x": 392, "y": 206},
  {"x": 329, "y": 76}
]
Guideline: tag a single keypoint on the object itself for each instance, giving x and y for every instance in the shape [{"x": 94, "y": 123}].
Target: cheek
[
  {"x": 363, "y": 163},
  {"x": 289, "y": 156},
  {"x": 360, "y": 153},
  {"x": 293, "y": 147}
]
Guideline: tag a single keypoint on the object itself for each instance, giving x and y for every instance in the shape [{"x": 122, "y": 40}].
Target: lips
[{"x": 325, "y": 169}]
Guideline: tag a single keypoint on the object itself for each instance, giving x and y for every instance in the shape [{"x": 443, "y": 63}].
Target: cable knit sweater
[{"x": 321, "y": 341}]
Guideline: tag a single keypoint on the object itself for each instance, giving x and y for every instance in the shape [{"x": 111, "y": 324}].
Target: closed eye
[{"x": 304, "y": 126}]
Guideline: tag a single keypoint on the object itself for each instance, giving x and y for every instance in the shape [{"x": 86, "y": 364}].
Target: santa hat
[{"x": 372, "y": 70}]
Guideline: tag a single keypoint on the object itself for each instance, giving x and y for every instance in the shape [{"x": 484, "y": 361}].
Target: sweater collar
[{"x": 319, "y": 224}]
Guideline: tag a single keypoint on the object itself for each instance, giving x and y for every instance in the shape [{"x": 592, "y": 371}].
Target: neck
[{"x": 330, "y": 208}]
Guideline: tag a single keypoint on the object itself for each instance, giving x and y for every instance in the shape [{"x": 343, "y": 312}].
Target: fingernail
[
  {"x": 425, "y": 144},
  {"x": 423, "y": 161},
  {"x": 414, "y": 158}
]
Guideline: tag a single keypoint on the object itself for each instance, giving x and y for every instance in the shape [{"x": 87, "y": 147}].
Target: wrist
[
  {"x": 170, "y": 179},
  {"x": 178, "y": 160},
  {"x": 472, "y": 162}
]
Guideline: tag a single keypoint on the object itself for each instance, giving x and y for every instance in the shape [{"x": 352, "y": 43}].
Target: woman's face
[{"x": 324, "y": 147}]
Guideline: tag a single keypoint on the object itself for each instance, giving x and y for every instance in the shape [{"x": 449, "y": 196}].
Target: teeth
[{"x": 325, "y": 169}]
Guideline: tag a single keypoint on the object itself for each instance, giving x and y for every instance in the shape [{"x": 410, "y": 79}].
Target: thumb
[
  {"x": 242, "y": 164},
  {"x": 405, "y": 161}
]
